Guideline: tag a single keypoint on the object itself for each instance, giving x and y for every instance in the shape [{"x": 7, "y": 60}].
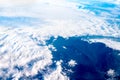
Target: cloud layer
[{"x": 26, "y": 25}]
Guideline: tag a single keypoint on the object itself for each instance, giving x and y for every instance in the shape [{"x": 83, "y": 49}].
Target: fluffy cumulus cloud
[
  {"x": 26, "y": 25},
  {"x": 21, "y": 55},
  {"x": 72, "y": 63}
]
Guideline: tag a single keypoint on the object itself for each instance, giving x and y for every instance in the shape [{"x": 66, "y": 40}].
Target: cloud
[
  {"x": 17, "y": 50},
  {"x": 72, "y": 63},
  {"x": 56, "y": 75},
  {"x": 24, "y": 46},
  {"x": 16, "y": 2},
  {"x": 110, "y": 43}
]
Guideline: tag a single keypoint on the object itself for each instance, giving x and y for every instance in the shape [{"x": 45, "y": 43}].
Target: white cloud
[
  {"x": 52, "y": 47},
  {"x": 110, "y": 43},
  {"x": 64, "y": 47},
  {"x": 21, "y": 50},
  {"x": 72, "y": 63},
  {"x": 57, "y": 74},
  {"x": 16, "y": 2},
  {"x": 111, "y": 72},
  {"x": 61, "y": 18}
]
